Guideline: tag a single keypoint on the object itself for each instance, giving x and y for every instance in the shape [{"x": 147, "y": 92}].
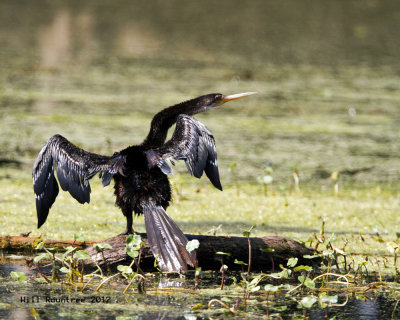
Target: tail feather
[{"x": 167, "y": 241}]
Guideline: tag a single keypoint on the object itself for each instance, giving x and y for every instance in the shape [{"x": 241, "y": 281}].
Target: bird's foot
[{"x": 127, "y": 232}]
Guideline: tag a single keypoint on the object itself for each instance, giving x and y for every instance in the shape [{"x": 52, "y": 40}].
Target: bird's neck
[{"x": 163, "y": 120}]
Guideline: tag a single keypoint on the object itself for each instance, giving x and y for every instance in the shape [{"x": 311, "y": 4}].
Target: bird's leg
[{"x": 129, "y": 229}]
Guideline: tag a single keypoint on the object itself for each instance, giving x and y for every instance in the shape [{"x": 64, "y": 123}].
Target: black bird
[{"x": 140, "y": 174}]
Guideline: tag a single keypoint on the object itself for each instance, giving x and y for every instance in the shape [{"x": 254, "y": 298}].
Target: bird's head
[{"x": 216, "y": 99}]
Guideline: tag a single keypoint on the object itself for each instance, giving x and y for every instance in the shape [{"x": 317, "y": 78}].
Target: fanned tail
[{"x": 167, "y": 241}]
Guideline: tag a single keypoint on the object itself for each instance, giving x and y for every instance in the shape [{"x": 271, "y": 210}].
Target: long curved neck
[{"x": 163, "y": 120}]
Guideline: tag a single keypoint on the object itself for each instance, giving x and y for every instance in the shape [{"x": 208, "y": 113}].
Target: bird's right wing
[
  {"x": 74, "y": 167},
  {"x": 193, "y": 143}
]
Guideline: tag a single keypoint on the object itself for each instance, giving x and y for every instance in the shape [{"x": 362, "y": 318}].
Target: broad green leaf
[
  {"x": 271, "y": 288},
  {"x": 307, "y": 302},
  {"x": 101, "y": 246},
  {"x": 40, "y": 245},
  {"x": 324, "y": 298},
  {"x": 124, "y": 269},
  {"x": 307, "y": 282},
  {"x": 198, "y": 270},
  {"x": 65, "y": 270},
  {"x": 41, "y": 256},
  {"x": 82, "y": 255},
  {"x": 132, "y": 252},
  {"x": 19, "y": 276},
  {"x": 79, "y": 237},
  {"x": 292, "y": 262},
  {"x": 303, "y": 268}
]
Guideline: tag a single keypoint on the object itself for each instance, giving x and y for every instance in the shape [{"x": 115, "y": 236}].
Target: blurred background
[{"x": 327, "y": 76}]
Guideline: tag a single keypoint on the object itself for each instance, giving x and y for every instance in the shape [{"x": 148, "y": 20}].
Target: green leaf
[
  {"x": 197, "y": 306},
  {"x": 192, "y": 245},
  {"x": 198, "y": 270},
  {"x": 132, "y": 252},
  {"x": 307, "y": 282},
  {"x": 303, "y": 268},
  {"x": 41, "y": 256},
  {"x": 239, "y": 262},
  {"x": 101, "y": 246},
  {"x": 246, "y": 233},
  {"x": 292, "y": 262},
  {"x": 65, "y": 270},
  {"x": 307, "y": 256},
  {"x": 18, "y": 276},
  {"x": 223, "y": 253},
  {"x": 254, "y": 289},
  {"x": 325, "y": 299},
  {"x": 40, "y": 245},
  {"x": 79, "y": 237},
  {"x": 134, "y": 240},
  {"x": 82, "y": 255},
  {"x": 69, "y": 250},
  {"x": 307, "y": 302},
  {"x": 271, "y": 288},
  {"x": 125, "y": 269},
  {"x": 268, "y": 250}
]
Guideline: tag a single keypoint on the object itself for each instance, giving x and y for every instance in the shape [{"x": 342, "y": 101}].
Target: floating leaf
[
  {"x": 307, "y": 302},
  {"x": 19, "y": 276},
  {"x": 325, "y": 299},
  {"x": 197, "y": 306},
  {"x": 192, "y": 245}
]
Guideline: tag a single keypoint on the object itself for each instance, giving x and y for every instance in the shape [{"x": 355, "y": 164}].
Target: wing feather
[
  {"x": 74, "y": 167},
  {"x": 193, "y": 143}
]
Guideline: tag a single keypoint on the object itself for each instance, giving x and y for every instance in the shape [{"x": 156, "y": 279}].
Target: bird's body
[{"x": 140, "y": 174}]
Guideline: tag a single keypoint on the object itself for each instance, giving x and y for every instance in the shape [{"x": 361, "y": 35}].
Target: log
[
  {"x": 267, "y": 253},
  {"x": 22, "y": 243}
]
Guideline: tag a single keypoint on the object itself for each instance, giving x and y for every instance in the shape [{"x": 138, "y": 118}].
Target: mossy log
[{"x": 267, "y": 253}]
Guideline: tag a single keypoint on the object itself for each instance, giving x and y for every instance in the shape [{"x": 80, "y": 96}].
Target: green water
[{"x": 327, "y": 76}]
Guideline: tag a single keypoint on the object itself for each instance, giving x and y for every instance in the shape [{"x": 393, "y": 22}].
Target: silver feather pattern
[
  {"x": 74, "y": 167},
  {"x": 193, "y": 143}
]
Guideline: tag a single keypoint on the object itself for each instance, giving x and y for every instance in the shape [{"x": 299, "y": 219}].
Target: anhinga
[{"x": 140, "y": 174}]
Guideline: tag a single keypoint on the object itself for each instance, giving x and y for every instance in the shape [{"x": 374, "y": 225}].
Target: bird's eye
[{"x": 218, "y": 97}]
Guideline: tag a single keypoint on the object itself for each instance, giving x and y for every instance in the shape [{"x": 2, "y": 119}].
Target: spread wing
[
  {"x": 192, "y": 142},
  {"x": 74, "y": 168}
]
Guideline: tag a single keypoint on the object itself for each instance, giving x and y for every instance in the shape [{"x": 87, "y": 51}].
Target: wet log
[
  {"x": 22, "y": 243},
  {"x": 267, "y": 253}
]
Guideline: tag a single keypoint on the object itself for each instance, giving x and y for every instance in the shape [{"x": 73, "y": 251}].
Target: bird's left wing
[
  {"x": 192, "y": 142},
  {"x": 74, "y": 167}
]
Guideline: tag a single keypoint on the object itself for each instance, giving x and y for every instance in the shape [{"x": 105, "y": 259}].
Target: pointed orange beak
[{"x": 236, "y": 96}]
